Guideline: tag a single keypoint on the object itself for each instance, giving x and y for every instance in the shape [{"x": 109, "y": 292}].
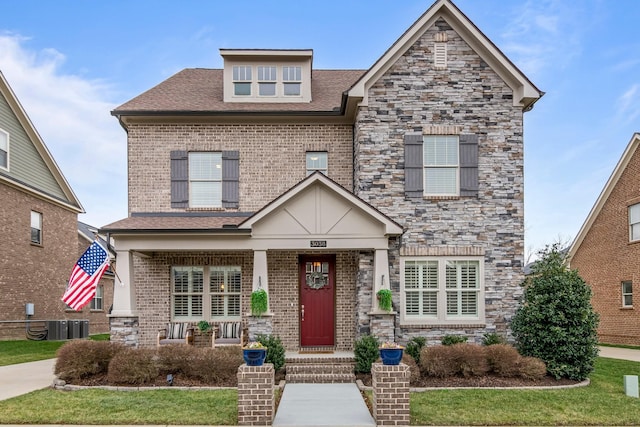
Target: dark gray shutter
[
  {"x": 469, "y": 165},
  {"x": 179, "y": 179},
  {"x": 230, "y": 179},
  {"x": 413, "y": 168}
]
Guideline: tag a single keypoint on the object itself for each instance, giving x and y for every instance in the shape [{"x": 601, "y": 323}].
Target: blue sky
[{"x": 70, "y": 63}]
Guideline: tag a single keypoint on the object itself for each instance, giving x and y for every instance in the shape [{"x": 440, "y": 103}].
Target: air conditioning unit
[
  {"x": 57, "y": 330},
  {"x": 84, "y": 329},
  {"x": 73, "y": 331}
]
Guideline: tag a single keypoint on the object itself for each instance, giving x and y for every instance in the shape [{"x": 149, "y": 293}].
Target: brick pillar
[
  {"x": 255, "y": 395},
  {"x": 390, "y": 394}
]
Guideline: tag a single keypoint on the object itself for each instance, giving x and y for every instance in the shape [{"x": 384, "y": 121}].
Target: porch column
[
  {"x": 124, "y": 291},
  {"x": 260, "y": 275},
  {"x": 381, "y": 276}
]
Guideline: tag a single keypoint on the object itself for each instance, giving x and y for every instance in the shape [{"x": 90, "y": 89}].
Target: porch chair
[
  {"x": 176, "y": 333},
  {"x": 228, "y": 333}
]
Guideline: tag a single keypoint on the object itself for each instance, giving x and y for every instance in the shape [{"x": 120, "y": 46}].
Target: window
[
  {"x": 634, "y": 222},
  {"x": 205, "y": 179},
  {"x": 4, "y": 150},
  {"x": 206, "y": 293},
  {"x": 242, "y": 80},
  {"x": 440, "y": 159},
  {"x": 316, "y": 161},
  {"x": 267, "y": 81},
  {"x": 627, "y": 294},
  {"x": 96, "y": 301},
  {"x": 292, "y": 79},
  {"x": 36, "y": 227},
  {"x": 441, "y": 290}
]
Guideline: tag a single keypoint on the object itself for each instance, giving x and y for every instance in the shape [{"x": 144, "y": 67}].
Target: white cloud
[
  {"x": 628, "y": 108},
  {"x": 71, "y": 114}
]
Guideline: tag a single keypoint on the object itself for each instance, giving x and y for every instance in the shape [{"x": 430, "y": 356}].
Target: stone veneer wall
[
  {"x": 466, "y": 98},
  {"x": 153, "y": 292},
  {"x": 261, "y": 179}
]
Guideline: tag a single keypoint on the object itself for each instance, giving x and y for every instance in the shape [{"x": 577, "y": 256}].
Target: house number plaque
[{"x": 318, "y": 243}]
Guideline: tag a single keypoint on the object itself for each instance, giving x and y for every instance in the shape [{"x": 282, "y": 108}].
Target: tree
[{"x": 556, "y": 321}]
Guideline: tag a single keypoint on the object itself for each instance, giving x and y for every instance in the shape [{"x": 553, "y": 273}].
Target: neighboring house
[
  {"x": 97, "y": 311},
  {"x": 323, "y": 187},
  {"x": 606, "y": 251},
  {"x": 38, "y": 222}
]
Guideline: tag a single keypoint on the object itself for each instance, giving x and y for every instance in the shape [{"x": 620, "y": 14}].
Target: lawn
[{"x": 21, "y": 351}]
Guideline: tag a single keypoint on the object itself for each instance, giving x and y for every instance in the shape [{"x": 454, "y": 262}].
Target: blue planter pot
[
  {"x": 254, "y": 356},
  {"x": 391, "y": 356}
]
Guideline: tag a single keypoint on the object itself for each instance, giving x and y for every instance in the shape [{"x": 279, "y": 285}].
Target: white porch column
[
  {"x": 124, "y": 291},
  {"x": 260, "y": 275},
  {"x": 381, "y": 276}
]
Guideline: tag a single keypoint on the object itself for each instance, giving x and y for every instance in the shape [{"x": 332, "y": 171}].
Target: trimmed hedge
[{"x": 79, "y": 359}]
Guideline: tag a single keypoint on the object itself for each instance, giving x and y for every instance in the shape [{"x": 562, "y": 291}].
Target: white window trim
[
  {"x": 636, "y": 224},
  {"x": 250, "y": 81},
  {"x": 99, "y": 296},
  {"x": 39, "y": 228},
  {"x": 312, "y": 170},
  {"x": 625, "y": 294},
  {"x": 8, "y": 146},
  {"x": 206, "y": 294},
  {"x": 217, "y": 203},
  {"x": 425, "y": 167},
  {"x": 442, "y": 318}
]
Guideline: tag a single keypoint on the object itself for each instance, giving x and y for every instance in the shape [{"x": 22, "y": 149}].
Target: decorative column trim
[{"x": 124, "y": 291}]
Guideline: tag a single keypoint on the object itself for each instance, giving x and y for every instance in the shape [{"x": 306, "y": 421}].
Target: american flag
[{"x": 85, "y": 275}]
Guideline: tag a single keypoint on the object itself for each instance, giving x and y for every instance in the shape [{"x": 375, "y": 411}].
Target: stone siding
[
  {"x": 272, "y": 158},
  {"x": 606, "y": 258},
  {"x": 467, "y": 97}
]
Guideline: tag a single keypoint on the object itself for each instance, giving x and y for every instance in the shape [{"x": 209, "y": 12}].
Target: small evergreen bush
[
  {"x": 82, "y": 358},
  {"x": 133, "y": 366},
  {"x": 366, "y": 352},
  {"x": 453, "y": 339},
  {"x": 414, "y": 347},
  {"x": 275, "y": 350},
  {"x": 556, "y": 322},
  {"x": 492, "y": 338}
]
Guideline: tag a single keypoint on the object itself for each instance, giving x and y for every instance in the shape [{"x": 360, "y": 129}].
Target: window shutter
[
  {"x": 230, "y": 179},
  {"x": 179, "y": 179},
  {"x": 469, "y": 165},
  {"x": 413, "y": 172}
]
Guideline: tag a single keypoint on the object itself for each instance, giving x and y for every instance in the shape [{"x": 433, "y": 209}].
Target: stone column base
[
  {"x": 125, "y": 330},
  {"x": 390, "y": 394},
  {"x": 260, "y": 325},
  {"x": 383, "y": 326},
  {"x": 255, "y": 395}
]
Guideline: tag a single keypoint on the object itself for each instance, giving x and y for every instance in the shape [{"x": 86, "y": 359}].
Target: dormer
[{"x": 257, "y": 75}]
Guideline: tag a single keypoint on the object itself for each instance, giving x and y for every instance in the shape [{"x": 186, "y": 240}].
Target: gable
[{"x": 30, "y": 165}]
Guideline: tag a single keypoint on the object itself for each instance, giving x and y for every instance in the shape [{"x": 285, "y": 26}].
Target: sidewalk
[
  {"x": 620, "y": 353},
  {"x": 26, "y": 377}
]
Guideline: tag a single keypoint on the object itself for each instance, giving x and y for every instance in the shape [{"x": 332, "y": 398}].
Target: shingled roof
[{"x": 200, "y": 90}]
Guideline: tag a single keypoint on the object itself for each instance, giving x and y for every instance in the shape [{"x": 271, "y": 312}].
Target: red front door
[{"x": 317, "y": 300}]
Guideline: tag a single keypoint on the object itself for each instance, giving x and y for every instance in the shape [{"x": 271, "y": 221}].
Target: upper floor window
[
  {"x": 242, "y": 80},
  {"x": 4, "y": 150},
  {"x": 97, "y": 300},
  {"x": 627, "y": 294},
  {"x": 267, "y": 80},
  {"x": 317, "y": 161},
  {"x": 441, "y": 161},
  {"x": 292, "y": 79},
  {"x": 36, "y": 227},
  {"x": 441, "y": 290},
  {"x": 205, "y": 179},
  {"x": 634, "y": 222}
]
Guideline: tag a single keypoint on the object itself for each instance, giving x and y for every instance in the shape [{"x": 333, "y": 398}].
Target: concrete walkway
[
  {"x": 620, "y": 353},
  {"x": 318, "y": 405},
  {"x": 26, "y": 377}
]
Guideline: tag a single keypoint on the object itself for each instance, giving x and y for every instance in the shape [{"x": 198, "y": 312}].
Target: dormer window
[
  {"x": 267, "y": 81},
  {"x": 242, "y": 80},
  {"x": 4, "y": 150},
  {"x": 291, "y": 78}
]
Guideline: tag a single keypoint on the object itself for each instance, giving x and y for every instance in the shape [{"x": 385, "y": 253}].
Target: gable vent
[{"x": 440, "y": 55}]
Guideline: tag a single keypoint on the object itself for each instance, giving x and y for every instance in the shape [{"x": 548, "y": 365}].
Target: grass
[{"x": 21, "y": 351}]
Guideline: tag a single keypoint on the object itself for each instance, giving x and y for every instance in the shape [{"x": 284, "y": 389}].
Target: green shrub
[
  {"x": 83, "y": 358},
  {"x": 275, "y": 350},
  {"x": 503, "y": 359},
  {"x": 556, "y": 322},
  {"x": 366, "y": 352},
  {"x": 133, "y": 367},
  {"x": 453, "y": 339},
  {"x": 492, "y": 338},
  {"x": 414, "y": 346}
]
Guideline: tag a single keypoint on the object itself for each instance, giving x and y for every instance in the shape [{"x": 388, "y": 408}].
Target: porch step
[{"x": 301, "y": 369}]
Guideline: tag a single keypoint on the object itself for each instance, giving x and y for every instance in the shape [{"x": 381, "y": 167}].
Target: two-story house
[
  {"x": 38, "y": 223},
  {"x": 606, "y": 251},
  {"x": 323, "y": 187}
]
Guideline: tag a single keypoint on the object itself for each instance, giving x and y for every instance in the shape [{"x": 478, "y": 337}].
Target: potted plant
[
  {"x": 259, "y": 302},
  {"x": 391, "y": 353},
  {"x": 254, "y": 354},
  {"x": 384, "y": 299},
  {"x": 204, "y": 326}
]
